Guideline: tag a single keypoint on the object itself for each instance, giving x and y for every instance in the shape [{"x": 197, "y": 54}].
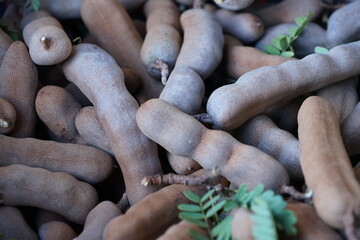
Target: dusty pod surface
[
  {"x": 7, "y": 116},
  {"x": 41, "y": 188},
  {"x": 233, "y": 5},
  {"x": 56, "y": 230}
]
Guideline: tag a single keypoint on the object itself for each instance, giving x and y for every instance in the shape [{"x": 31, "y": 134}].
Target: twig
[
  {"x": 290, "y": 190},
  {"x": 164, "y": 70}
]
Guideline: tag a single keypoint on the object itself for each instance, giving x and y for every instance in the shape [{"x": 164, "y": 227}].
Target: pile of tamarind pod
[{"x": 110, "y": 110}]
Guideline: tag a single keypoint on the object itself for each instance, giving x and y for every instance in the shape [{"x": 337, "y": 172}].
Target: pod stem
[
  {"x": 124, "y": 204},
  {"x": 4, "y": 123},
  {"x": 349, "y": 223},
  {"x": 45, "y": 42},
  {"x": 164, "y": 69},
  {"x": 290, "y": 190}
]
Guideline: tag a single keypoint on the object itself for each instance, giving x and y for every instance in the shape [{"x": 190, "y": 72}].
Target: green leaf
[
  {"x": 271, "y": 50},
  {"x": 211, "y": 202},
  {"x": 35, "y": 5},
  {"x": 286, "y": 221},
  {"x": 230, "y": 205},
  {"x": 212, "y": 211},
  {"x": 192, "y": 196},
  {"x": 303, "y": 20},
  {"x": 223, "y": 229},
  {"x": 190, "y": 215},
  {"x": 284, "y": 42},
  {"x": 196, "y": 222},
  {"x": 293, "y": 31},
  {"x": 248, "y": 198},
  {"x": 189, "y": 207},
  {"x": 288, "y": 54},
  {"x": 207, "y": 195},
  {"x": 276, "y": 44},
  {"x": 321, "y": 50},
  {"x": 264, "y": 227},
  {"x": 196, "y": 236}
]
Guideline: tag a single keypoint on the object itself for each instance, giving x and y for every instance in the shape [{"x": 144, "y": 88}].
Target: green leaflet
[{"x": 264, "y": 227}]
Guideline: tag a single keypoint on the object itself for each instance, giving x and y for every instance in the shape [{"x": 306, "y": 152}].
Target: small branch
[
  {"x": 46, "y": 42},
  {"x": 290, "y": 190},
  {"x": 164, "y": 70},
  {"x": 4, "y": 123},
  {"x": 123, "y": 204},
  {"x": 349, "y": 223}
]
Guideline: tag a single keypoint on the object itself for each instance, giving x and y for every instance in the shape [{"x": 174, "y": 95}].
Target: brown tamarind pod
[
  {"x": 349, "y": 131},
  {"x": 180, "y": 231},
  {"x": 56, "y": 230},
  {"x": 83, "y": 162},
  {"x": 18, "y": 84},
  {"x": 162, "y": 12},
  {"x": 182, "y": 165},
  {"x": 91, "y": 130},
  {"x": 26, "y": 186},
  {"x": 7, "y": 116},
  {"x": 233, "y": 5},
  {"x": 97, "y": 219},
  {"x": 5, "y": 42},
  {"x": 326, "y": 166},
  {"x": 57, "y": 108},
  {"x": 13, "y": 224}
]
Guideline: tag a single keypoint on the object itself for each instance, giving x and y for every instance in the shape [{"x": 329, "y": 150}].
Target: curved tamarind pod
[
  {"x": 290, "y": 9},
  {"x": 56, "y": 230},
  {"x": 183, "y": 135},
  {"x": 261, "y": 132},
  {"x": 18, "y": 84},
  {"x": 148, "y": 218},
  {"x": 182, "y": 165},
  {"x": 325, "y": 163},
  {"x": 7, "y": 116},
  {"x": 341, "y": 28},
  {"x": 90, "y": 129},
  {"x": 41, "y": 188},
  {"x": 254, "y": 92},
  {"x": 99, "y": 77},
  {"x": 97, "y": 220},
  {"x": 180, "y": 231},
  {"x": 5, "y": 42},
  {"x": 13, "y": 225},
  {"x": 108, "y": 29},
  {"x": 342, "y": 95},
  {"x": 233, "y": 5},
  {"x": 161, "y": 12},
  {"x": 350, "y": 128},
  {"x": 57, "y": 108},
  {"x": 83, "y": 162}
]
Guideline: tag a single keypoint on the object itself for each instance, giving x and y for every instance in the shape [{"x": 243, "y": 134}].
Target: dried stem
[
  {"x": 290, "y": 190},
  {"x": 4, "y": 123},
  {"x": 349, "y": 224},
  {"x": 45, "y": 42},
  {"x": 164, "y": 69},
  {"x": 123, "y": 204}
]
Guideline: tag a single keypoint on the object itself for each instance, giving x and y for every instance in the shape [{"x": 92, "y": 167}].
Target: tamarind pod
[
  {"x": 148, "y": 218},
  {"x": 200, "y": 29},
  {"x": 18, "y": 84},
  {"x": 233, "y": 5},
  {"x": 56, "y": 230},
  {"x": 230, "y": 41},
  {"x": 90, "y": 129},
  {"x": 161, "y": 12},
  {"x": 7, "y": 116},
  {"x": 180, "y": 231},
  {"x": 140, "y": 26},
  {"x": 125, "y": 48},
  {"x": 78, "y": 95},
  {"x": 102, "y": 81},
  {"x": 11, "y": 17},
  {"x": 312, "y": 36},
  {"x": 33, "y": 15},
  {"x": 261, "y": 132},
  {"x": 162, "y": 43},
  {"x": 325, "y": 163},
  {"x": 183, "y": 135},
  {"x": 48, "y": 43},
  {"x": 342, "y": 95},
  {"x": 43, "y": 216},
  {"x": 239, "y": 60},
  {"x": 185, "y": 90},
  {"x": 83, "y": 162},
  {"x": 185, "y": 2},
  {"x": 309, "y": 226},
  {"x": 182, "y": 165},
  {"x": 41, "y": 188},
  {"x": 241, "y": 224},
  {"x": 5, "y": 42},
  {"x": 57, "y": 109},
  {"x": 350, "y": 128},
  {"x": 152, "y": 5},
  {"x": 290, "y": 9},
  {"x": 254, "y": 92},
  {"x": 341, "y": 28},
  {"x": 97, "y": 219},
  {"x": 244, "y": 26},
  {"x": 13, "y": 224}
]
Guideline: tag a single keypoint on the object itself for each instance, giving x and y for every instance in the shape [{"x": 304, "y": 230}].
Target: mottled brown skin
[
  {"x": 57, "y": 109},
  {"x": 289, "y": 9},
  {"x": 231, "y": 105},
  {"x": 183, "y": 135},
  {"x": 239, "y": 60},
  {"x": 86, "y": 163},
  {"x": 180, "y": 231},
  {"x": 99, "y": 77},
  {"x": 261, "y": 132},
  {"x": 309, "y": 226},
  {"x": 91, "y": 130},
  {"x": 56, "y": 230},
  {"x": 41, "y": 188},
  {"x": 182, "y": 165},
  {"x": 244, "y": 26},
  {"x": 125, "y": 48},
  {"x": 150, "y": 217},
  {"x": 349, "y": 131},
  {"x": 325, "y": 163},
  {"x": 97, "y": 219},
  {"x": 5, "y": 42},
  {"x": 14, "y": 226},
  {"x": 7, "y": 116},
  {"x": 18, "y": 84},
  {"x": 342, "y": 95}
]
